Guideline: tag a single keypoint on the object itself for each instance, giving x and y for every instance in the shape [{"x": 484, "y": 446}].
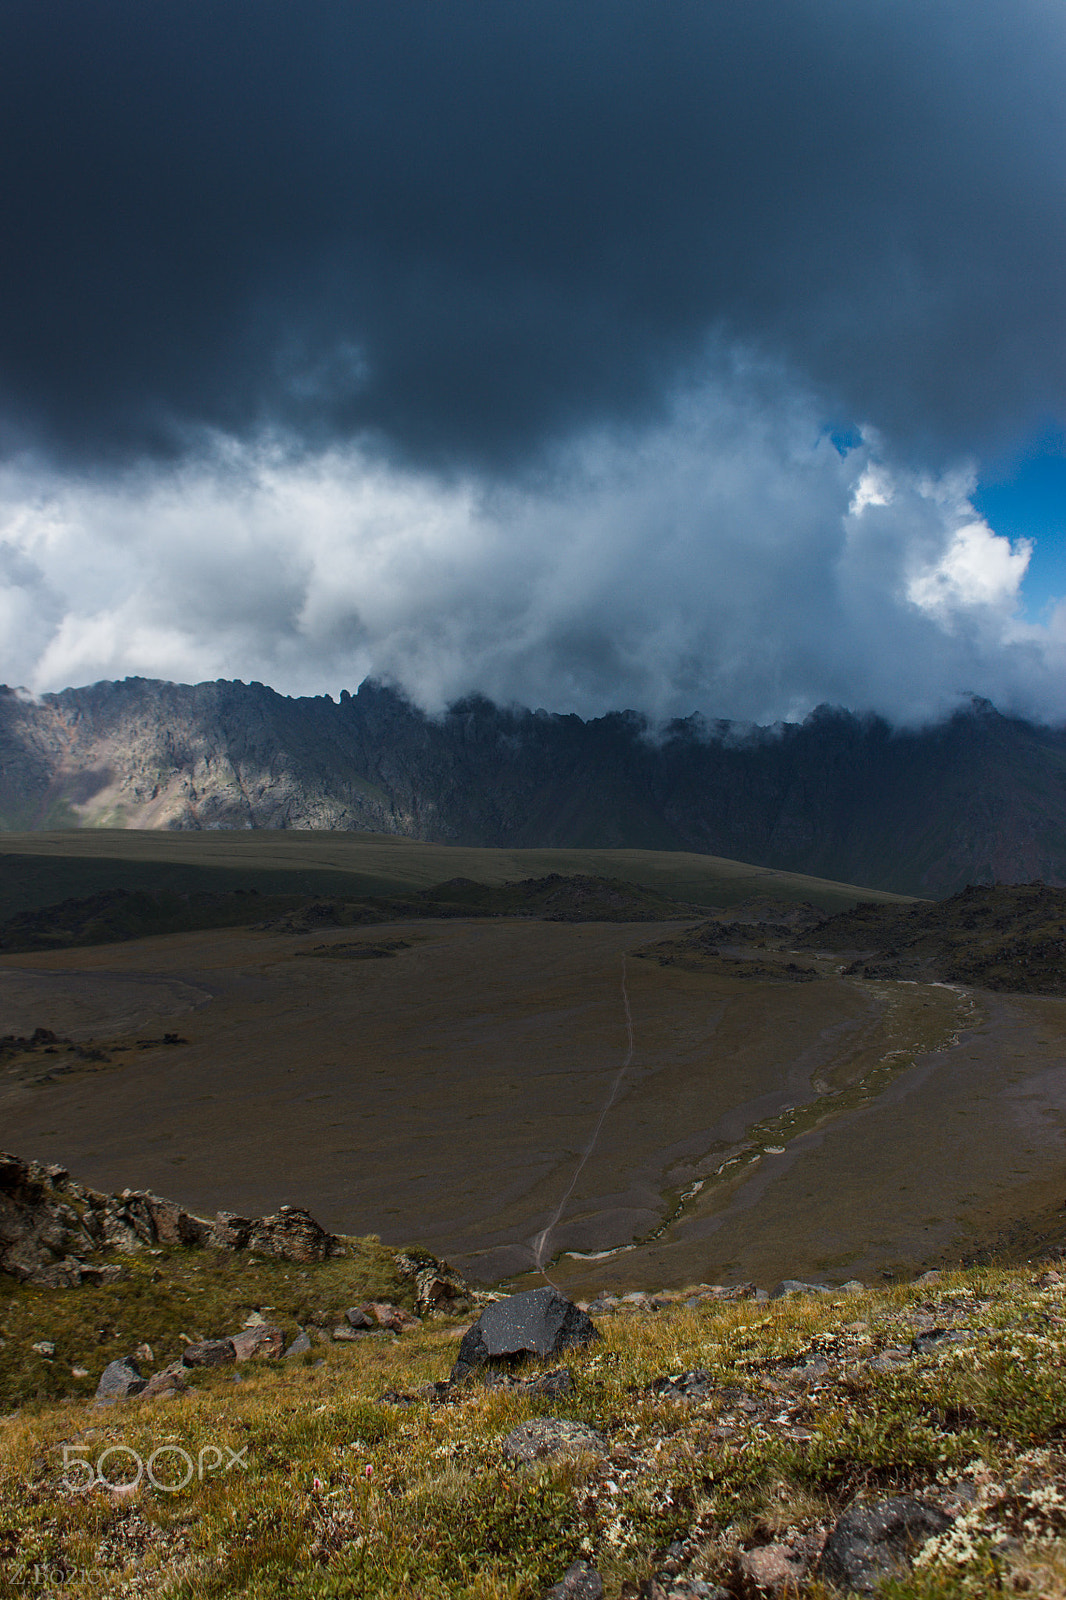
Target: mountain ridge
[{"x": 979, "y": 797}]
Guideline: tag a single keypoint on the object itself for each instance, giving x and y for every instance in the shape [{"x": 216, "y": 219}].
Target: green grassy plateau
[{"x": 42, "y": 868}]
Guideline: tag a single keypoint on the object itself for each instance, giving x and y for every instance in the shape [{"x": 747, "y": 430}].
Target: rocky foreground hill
[
  {"x": 980, "y": 797},
  {"x": 725, "y": 1442}
]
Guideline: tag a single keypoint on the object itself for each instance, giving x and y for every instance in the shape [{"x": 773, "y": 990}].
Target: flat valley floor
[{"x": 445, "y": 1096}]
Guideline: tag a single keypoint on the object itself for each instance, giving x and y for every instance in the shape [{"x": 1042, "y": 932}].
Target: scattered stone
[
  {"x": 561, "y": 1381},
  {"x": 853, "y": 1286},
  {"x": 933, "y": 1338},
  {"x": 392, "y": 1317},
  {"x": 725, "y": 1291},
  {"x": 79, "y": 1372},
  {"x": 694, "y": 1385},
  {"x": 209, "y": 1353},
  {"x": 775, "y": 1569},
  {"x": 300, "y": 1345},
  {"x": 145, "y": 1353},
  {"x": 262, "y": 1340},
  {"x": 790, "y": 1286},
  {"x": 358, "y": 1318},
  {"x": 119, "y": 1379},
  {"x": 44, "y": 1347},
  {"x": 558, "y": 1382},
  {"x": 890, "y": 1358},
  {"x": 171, "y": 1380},
  {"x": 440, "y": 1291},
  {"x": 876, "y": 1540},
  {"x": 549, "y": 1436},
  {"x": 344, "y": 1333},
  {"x": 579, "y": 1582},
  {"x": 541, "y": 1322},
  {"x": 932, "y": 1276}
]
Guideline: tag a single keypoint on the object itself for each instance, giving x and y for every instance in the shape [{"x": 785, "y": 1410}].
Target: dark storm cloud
[{"x": 469, "y": 228}]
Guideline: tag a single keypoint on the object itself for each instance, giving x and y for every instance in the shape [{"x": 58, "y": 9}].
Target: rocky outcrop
[
  {"x": 50, "y": 1225},
  {"x": 976, "y": 798}
]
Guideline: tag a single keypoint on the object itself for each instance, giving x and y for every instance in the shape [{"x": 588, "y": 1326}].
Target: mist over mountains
[{"x": 980, "y": 797}]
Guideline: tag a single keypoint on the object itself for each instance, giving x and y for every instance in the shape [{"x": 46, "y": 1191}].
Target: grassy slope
[
  {"x": 42, "y": 868},
  {"x": 772, "y": 1453}
]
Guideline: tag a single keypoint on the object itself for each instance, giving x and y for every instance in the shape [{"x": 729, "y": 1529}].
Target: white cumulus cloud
[{"x": 729, "y": 560}]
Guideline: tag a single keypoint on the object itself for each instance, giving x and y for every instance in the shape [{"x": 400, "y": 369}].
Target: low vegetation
[
  {"x": 1005, "y": 937},
  {"x": 116, "y": 915},
  {"x": 952, "y": 1388}
]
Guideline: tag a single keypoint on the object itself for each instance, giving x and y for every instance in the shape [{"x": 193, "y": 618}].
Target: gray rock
[
  {"x": 790, "y": 1286},
  {"x": 209, "y": 1353},
  {"x": 541, "y": 1322},
  {"x": 876, "y": 1540},
  {"x": 171, "y": 1380},
  {"x": 120, "y": 1379},
  {"x": 263, "y": 1340},
  {"x": 174, "y": 1225},
  {"x": 579, "y": 1582},
  {"x": 440, "y": 1291},
  {"x": 108, "y": 1272},
  {"x": 56, "y": 1275},
  {"x": 229, "y": 1231},
  {"x": 549, "y": 1436},
  {"x": 358, "y": 1318},
  {"x": 300, "y": 1345},
  {"x": 776, "y": 1569}
]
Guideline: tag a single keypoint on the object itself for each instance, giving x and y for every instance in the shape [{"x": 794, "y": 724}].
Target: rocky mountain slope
[
  {"x": 723, "y": 1443},
  {"x": 978, "y": 798}
]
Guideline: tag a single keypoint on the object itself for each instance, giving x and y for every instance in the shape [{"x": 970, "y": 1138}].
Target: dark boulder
[
  {"x": 876, "y": 1540},
  {"x": 541, "y": 1322}
]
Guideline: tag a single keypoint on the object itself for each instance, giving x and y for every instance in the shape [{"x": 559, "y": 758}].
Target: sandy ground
[{"x": 445, "y": 1096}]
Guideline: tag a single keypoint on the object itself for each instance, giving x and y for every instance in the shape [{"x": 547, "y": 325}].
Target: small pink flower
[
  {"x": 369, "y": 1470},
  {"x": 317, "y": 1485}
]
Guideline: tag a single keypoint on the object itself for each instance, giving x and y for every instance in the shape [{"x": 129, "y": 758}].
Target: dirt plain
[{"x": 445, "y": 1095}]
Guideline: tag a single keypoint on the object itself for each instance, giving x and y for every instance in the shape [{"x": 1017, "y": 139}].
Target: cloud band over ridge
[{"x": 494, "y": 346}]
